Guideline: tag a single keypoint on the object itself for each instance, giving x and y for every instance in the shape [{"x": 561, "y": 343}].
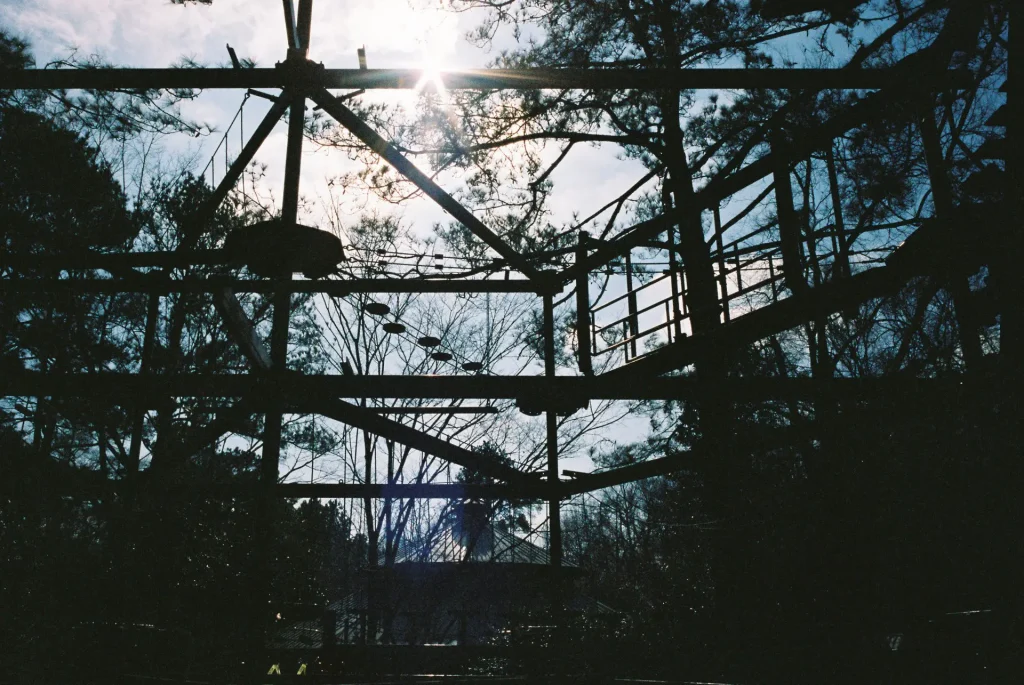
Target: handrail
[
  {"x": 629, "y": 316},
  {"x": 594, "y": 310}
]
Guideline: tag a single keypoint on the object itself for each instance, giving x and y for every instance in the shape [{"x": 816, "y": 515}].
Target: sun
[{"x": 431, "y": 78}]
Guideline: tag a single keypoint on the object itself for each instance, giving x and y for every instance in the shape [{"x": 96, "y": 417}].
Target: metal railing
[
  {"x": 731, "y": 261},
  {"x": 211, "y": 166}
]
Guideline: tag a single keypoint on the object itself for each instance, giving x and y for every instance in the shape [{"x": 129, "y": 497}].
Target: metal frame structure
[{"x": 273, "y": 389}]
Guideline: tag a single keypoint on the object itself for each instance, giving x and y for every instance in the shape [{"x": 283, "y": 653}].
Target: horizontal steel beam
[
  {"x": 434, "y": 410},
  {"x": 95, "y": 487},
  {"x": 473, "y": 79},
  {"x": 111, "y": 261},
  {"x": 535, "y": 490},
  {"x": 303, "y": 393},
  {"x": 336, "y": 288}
]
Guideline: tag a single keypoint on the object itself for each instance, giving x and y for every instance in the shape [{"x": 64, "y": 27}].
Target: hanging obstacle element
[
  {"x": 376, "y": 308},
  {"x": 270, "y": 249}
]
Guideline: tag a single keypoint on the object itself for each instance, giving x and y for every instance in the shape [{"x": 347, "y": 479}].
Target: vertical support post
[
  {"x": 1011, "y": 320},
  {"x": 303, "y": 23},
  {"x": 554, "y": 504},
  {"x": 673, "y": 266},
  {"x": 289, "y": 24},
  {"x": 634, "y": 323},
  {"x": 789, "y": 226},
  {"x": 128, "y": 530},
  {"x": 583, "y": 335},
  {"x": 839, "y": 245},
  {"x": 722, "y": 280},
  {"x": 806, "y": 225},
  {"x": 138, "y": 420},
  {"x": 329, "y": 629},
  {"x": 555, "y": 521},
  {"x": 101, "y": 443},
  {"x": 270, "y": 459},
  {"x": 683, "y": 292},
  {"x": 942, "y": 195}
]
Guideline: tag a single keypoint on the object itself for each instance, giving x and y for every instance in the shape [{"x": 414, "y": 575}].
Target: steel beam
[
  {"x": 584, "y": 330},
  {"x": 374, "y": 141},
  {"x": 292, "y": 35},
  {"x": 301, "y": 392},
  {"x": 96, "y": 487},
  {"x": 117, "y": 262},
  {"x": 212, "y": 284},
  {"x": 241, "y": 328},
  {"x": 324, "y": 403},
  {"x": 626, "y": 474},
  {"x": 302, "y": 24},
  {"x": 433, "y": 410},
  {"x": 476, "y": 79},
  {"x": 551, "y": 418},
  {"x": 535, "y": 490},
  {"x": 367, "y": 420}
]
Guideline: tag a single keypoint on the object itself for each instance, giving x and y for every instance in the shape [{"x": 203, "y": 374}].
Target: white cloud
[
  {"x": 155, "y": 33},
  {"x": 397, "y": 33}
]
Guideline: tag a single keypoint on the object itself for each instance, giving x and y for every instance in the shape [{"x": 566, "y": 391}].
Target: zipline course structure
[{"x": 786, "y": 273}]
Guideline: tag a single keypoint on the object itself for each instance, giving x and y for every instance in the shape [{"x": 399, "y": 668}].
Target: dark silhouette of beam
[
  {"x": 473, "y": 79},
  {"x": 301, "y": 392},
  {"x": 537, "y": 490},
  {"x": 368, "y": 420},
  {"x": 90, "y": 484},
  {"x": 336, "y": 288},
  {"x": 433, "y": 410},
  {"x": 626, "y": 474},
  {"x": 302, "y": 24},
  {"x": 266, "y": 366},
  {"x": 374, "y": 141}
]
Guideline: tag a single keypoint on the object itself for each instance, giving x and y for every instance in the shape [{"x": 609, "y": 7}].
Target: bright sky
[{"x": 396, "y": 33}]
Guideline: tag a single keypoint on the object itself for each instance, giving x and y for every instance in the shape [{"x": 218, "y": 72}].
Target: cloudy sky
[{"x": 396, "y": 33}]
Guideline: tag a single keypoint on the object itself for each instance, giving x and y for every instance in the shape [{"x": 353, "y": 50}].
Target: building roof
[{"x": 486, "y": 543}]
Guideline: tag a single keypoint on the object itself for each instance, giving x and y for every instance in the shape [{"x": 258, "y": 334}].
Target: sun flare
[{"x": 431, "y": 76}]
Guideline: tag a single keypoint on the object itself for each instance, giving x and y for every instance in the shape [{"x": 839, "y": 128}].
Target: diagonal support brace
[
  {"x": 241, "y": 330},
  {"x": 372, "y": 139}
]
